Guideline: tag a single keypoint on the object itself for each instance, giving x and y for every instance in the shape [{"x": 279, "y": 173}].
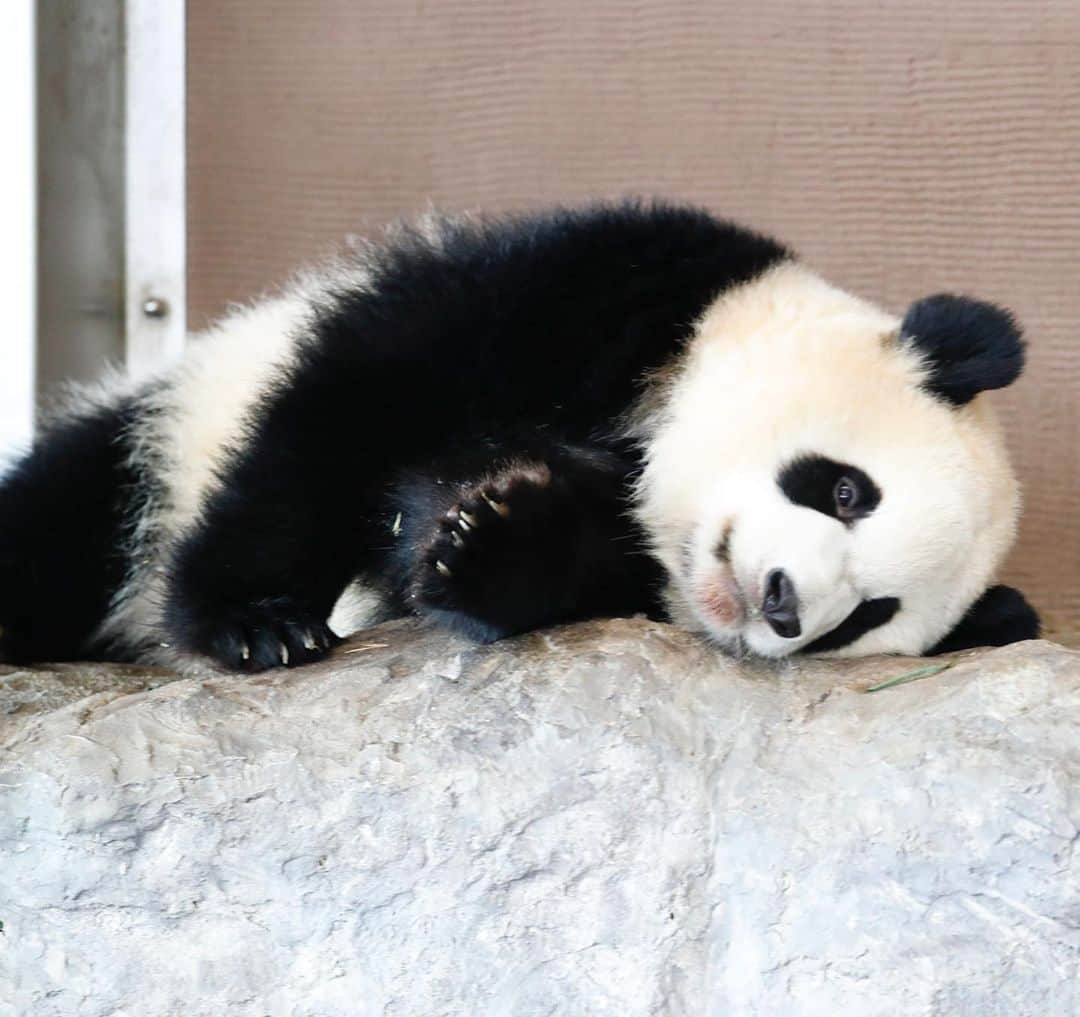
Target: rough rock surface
[{"x": 603, "y": 819}]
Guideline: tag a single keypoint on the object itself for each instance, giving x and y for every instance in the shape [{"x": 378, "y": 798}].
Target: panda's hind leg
[{"x": 62, "y": 517}]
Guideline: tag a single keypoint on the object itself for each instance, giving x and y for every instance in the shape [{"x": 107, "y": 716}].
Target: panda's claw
[
  {"x": 498, "y": 507},
  {"x": 443, "y": 569},
  {"x": 305, "y": 641},
  {"x": 455, "y": 538},
  {"x": 274, "y": 632},
  {"x": 467, "y": 520}
]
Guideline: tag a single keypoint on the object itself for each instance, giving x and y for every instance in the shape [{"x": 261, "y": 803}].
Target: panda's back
[
  {"x": 547, "y": 319},
  {"x": 560, "y": 310}
]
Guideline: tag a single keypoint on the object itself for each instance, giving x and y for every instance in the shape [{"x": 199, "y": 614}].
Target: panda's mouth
[{"x": 867, "y": 615}]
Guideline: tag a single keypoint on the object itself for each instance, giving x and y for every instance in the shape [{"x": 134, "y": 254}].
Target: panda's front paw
[
  {"x": 489, "y": 562},
  {"x": 274, "y": 632}
]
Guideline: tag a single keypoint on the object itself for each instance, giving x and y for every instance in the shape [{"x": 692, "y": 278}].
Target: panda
[{"x": 504, "y": 423}]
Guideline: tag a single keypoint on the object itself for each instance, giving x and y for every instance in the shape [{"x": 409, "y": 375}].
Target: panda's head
[{"x": 821, "y": 476}]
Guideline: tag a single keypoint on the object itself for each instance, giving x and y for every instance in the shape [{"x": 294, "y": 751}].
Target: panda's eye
[
  {"x": 838, "y": 490},
  {"x": 846, "y": 496}
]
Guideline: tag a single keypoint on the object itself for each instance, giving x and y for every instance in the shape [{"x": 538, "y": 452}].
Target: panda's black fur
[
  {"x": 486, "y": 375},
  {"x": 63, "y": 510}
]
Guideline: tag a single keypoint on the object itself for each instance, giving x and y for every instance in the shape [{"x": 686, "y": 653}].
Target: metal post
[
  {"x": 155, "y": 291},
  {"x": 111, "y": 178},
  {"x": 17, "y": 210}
]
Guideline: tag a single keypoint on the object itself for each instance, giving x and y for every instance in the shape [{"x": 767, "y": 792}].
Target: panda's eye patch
[{"x": 836, "y": 489}]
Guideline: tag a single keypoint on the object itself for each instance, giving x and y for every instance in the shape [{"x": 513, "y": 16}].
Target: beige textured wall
[{"x": 902, "y": 148}]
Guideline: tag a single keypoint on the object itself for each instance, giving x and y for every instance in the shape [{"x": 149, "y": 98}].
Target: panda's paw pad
[
  {"x": 275, "y": 632},
  {"x": 476, "y": 535}
]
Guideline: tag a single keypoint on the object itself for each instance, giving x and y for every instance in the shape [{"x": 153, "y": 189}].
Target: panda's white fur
[{"x": 788, "y": 364}]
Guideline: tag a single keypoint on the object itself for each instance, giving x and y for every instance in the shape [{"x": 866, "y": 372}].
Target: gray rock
[{"x": 602, "y": 819}]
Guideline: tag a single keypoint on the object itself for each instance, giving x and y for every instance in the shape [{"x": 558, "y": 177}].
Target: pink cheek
[
  {"x": 719, "y": 603},
  {"x": 722, "y": 609}
]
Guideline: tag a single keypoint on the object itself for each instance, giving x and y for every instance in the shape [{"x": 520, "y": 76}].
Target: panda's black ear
[
  {"x": 1000, "y": 616},
  {"x": 968, "y": 345}
]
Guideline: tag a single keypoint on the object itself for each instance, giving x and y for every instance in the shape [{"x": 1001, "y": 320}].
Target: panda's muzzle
[{"x": 780, "y": 607}]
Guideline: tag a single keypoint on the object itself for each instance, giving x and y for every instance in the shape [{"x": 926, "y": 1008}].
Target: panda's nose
[{"x": 781, "y": 606}]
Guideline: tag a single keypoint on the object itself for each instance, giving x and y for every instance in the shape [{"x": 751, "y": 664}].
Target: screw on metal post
[{"x": 155, "y": 307}]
